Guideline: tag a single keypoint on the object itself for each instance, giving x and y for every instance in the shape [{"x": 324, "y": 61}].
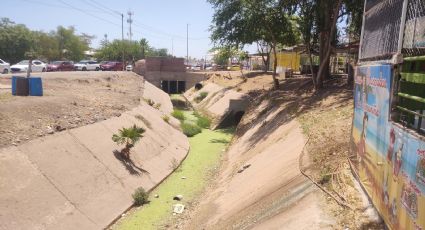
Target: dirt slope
[{"x": 71, "y": 99}]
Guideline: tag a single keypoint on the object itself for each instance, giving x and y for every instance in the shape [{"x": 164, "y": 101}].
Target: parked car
[
  {"x": 129, "y": 68},
  {"x": 4, "y": 67},
  {"x": 87, "y": 65},
  {"x": 111, "y": 66},
  {"x": 60, "y": 66},
  {"x": 196, "y": 67},
  {"x": 22, "y": 66}
]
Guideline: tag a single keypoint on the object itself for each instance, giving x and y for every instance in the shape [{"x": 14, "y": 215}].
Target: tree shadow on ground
[
  {"x": 257, "y": 73},
  {"x": 129, "y": 165},
  {"x": 373, "y": 225},
  {"x": 294, "y": 98}
]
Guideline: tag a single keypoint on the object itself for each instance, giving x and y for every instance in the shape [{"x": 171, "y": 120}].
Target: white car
[
  {"x": 4, "y": 67},
  {"x": 86, "y": 65},
  {"x": 22, "y": 66},
  {"x": 129, "y": 68}
]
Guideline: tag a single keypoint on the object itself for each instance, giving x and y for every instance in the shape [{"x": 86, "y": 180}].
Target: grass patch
[
  {"x": 203, "y": 157},
  {"x": 149, "y": 101},
  {"x": 201, "y": 96},
  {"x": 190, "y": 129},
  {"x": 178, "y": 114},
  {"x": 178, "y": 101},
  {"x": 204, "y": 122},
  {"x": 166, "y": 118},
  {"x": 140, "y": 196}
]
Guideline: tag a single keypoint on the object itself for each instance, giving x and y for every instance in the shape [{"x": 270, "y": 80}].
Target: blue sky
[{"x": 160, "y": 21}]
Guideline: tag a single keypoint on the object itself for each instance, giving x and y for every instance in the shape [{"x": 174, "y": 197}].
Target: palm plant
[{"x": 129, "y": 137}]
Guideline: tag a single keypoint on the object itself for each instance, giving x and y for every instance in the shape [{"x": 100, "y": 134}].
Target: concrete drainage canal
[{"x": 183, "y": 187}]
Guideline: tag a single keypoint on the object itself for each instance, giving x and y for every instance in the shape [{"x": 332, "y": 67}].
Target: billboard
[{"x": 390, "y": 159}]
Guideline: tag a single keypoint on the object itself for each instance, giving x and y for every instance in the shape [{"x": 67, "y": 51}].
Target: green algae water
[{"x": 206, "y": 149}]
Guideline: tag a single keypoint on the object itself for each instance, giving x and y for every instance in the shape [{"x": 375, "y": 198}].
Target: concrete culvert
[
  {"x": 198, "y": 86},
  {"x": 238, "y": 117},
  {"x": 232, "y": 118}
]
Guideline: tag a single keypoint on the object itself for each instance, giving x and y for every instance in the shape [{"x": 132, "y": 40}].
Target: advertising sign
[{"x": 390, "y": 158}]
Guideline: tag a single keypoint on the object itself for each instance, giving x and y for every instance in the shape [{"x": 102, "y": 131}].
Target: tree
[
  {"x": 144, "y": 45},
  {"x": 222, "y": 55},
  {"x": 15, "y": 40},
  {"x": 237, "y": 23},
  {"x": 46, "y": 46},
  {"x": 133, "y": 50},
  {"x": 264, "y": 50},
  {"x": 129, "y": 137},
  {"x": 318, "y": 22},
  {"x": 71, "y": 46},
  {"x": 64, "y": 43},
  {"x": 114, "y": 50},
  {"x": 153, "y": 52}
]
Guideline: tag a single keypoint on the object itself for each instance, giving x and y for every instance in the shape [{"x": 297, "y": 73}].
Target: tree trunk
[
  {"x": 325, "y": 45},
  {"x": 275, "y": 81},
  {"x": 264, "y": 56},
  {"x": 267, "y": 62},
  {"x": 313, "y": 77}
]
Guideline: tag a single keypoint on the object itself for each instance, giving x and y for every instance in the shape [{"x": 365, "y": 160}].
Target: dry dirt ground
[
  {"x": 251, "y": 81},
  {"x": 325, "y": 119},
  {"x": 71, "y": 99}
]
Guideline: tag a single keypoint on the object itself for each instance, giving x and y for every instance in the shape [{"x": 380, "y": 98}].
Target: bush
[
  {"x": 178, "y": 114},
  {"x": 201, "y": 97},
  {"x": 166, "y": 118},
  {"x": 196, "y": 114},
  {"x": 140, "y": 196},
  {"x": 149, "y": 101},
  {"x": 190, "y": 129},
  {"x": 157, "y": 106},
  {"x": 203, "y": 122}
]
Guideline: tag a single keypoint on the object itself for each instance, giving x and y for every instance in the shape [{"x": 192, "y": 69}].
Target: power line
[
  {"x": 85, "y": 12},
  {"x": 105, "y": 7},
  {"x": 101, "y": 9},
  {"x": 59, "y": 6},
  {"x": 106, "y": 10},
  {"x": 165, "y": 34}
]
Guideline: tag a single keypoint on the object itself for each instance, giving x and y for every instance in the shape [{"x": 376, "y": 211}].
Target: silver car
[{"x": 4, "y": 67}]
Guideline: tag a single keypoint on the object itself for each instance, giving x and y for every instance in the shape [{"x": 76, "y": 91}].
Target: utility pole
[
  {"x": 187, "y": 44},
  {"x": 122, "y": 38},
  {"x": 122, "y": 27},
  {"x": 130, "y": 21},
  {"x": 172, "y": 47}
]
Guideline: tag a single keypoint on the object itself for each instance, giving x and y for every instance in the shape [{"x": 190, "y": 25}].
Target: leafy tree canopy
[{"x": 62, "y": 44}]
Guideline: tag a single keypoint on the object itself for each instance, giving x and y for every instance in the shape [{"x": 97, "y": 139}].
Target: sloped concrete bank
[
  {"x": 76, "y": 179},
  {"x": 221, "y": 104},
  {"x": 260, "y": 185}
]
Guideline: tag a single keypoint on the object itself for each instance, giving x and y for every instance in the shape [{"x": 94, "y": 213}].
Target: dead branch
[{"x": 300, "y": 163}]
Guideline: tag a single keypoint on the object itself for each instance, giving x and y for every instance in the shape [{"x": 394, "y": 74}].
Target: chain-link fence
[
  {"x": 414, "y": 30},
  {"x": 381, "y": 30}
]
